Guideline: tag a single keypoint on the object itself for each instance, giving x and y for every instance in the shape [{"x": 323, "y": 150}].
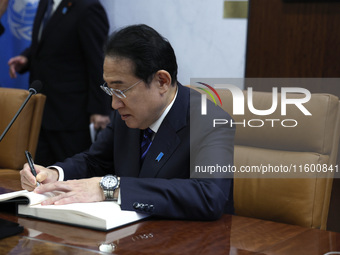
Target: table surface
[{"x": 229, "y": 235}]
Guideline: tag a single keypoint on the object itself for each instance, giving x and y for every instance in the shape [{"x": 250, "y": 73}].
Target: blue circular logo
[{"x": 21, "y": 15}]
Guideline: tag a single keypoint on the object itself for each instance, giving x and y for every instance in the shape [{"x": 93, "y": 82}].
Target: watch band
[{"x": 109, "y": 195}]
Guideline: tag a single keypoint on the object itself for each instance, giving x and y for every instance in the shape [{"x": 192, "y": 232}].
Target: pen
[{"x": 31, "y": 164}]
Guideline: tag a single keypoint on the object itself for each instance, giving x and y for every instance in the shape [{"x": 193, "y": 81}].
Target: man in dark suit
[
  {"x": 154, "y": 175},
  {"x": 66, "y": 55}
]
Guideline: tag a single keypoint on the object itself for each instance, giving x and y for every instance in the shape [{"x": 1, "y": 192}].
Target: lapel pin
[
  {"x": 159, "y": 157},
  {"x": 65, "y": 9}
]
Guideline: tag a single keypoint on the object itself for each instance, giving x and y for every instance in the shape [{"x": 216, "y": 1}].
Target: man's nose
[{"x": 116, "y": 102}]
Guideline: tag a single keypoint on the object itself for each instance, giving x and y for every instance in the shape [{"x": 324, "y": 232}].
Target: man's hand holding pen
[
  {"x": 31, "y": 164},
  {"x": 74, "y": 191},
  {"x": 44, "y": 175}
]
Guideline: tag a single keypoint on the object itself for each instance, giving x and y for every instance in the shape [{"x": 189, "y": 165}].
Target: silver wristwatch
[{"x": 109, "y": 183}]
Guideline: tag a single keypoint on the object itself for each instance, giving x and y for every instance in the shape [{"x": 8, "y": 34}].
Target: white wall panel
[{"x": 206, "y": 44}]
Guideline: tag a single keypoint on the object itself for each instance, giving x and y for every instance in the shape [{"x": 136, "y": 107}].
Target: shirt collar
[
  {"x": 56, "y": 4},
  {"x": 155, "y": 126}
]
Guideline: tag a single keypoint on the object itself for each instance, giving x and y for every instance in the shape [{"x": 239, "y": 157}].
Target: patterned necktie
[{"x": 146, "y": 142}]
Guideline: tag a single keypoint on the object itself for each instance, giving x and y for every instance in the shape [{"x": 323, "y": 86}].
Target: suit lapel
[
  {"x": 63, "y": 9},
  {"x": 166, "y": 140},
  {"x": 37, "y": 21}
]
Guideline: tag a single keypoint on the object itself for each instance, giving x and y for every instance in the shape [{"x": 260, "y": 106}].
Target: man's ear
[{"x": 164, "y": 80}]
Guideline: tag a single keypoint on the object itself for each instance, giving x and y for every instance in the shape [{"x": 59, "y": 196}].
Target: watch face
[{"x": 110, "y": 182}]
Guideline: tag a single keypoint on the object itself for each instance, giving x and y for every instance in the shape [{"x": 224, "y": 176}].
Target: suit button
[
  {"x": 136, "y": 205},
  {"x": 151, "y": 208}
]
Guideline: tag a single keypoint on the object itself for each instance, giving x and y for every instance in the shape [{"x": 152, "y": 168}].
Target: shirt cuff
[
  {"x": 60, "y": 171},
  {"x": 119, "y": 201}
]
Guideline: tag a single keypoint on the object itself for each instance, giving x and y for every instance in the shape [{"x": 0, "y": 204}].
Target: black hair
[{"x": 148, "y": 50}]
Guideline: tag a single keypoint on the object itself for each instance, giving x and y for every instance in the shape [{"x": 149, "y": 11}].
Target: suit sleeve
[
  {"x": 97, "y": 161},
  {"x": 193, "y": 199},
  {"x": 35, "y": 28},
  {"x": 93, "y": 29}
]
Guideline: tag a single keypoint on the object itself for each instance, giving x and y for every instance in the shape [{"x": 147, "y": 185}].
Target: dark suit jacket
[
  {"x": 69, "y": 61},
  {"x": 2, "y": 29},
  {"x": 164, "y": 188}
]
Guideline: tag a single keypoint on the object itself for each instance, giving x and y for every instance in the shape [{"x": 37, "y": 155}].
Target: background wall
[{"x": 206, "y": 44}]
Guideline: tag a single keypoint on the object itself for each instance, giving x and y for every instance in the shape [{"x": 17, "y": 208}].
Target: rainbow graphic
[{"x": 209, "y": 93}]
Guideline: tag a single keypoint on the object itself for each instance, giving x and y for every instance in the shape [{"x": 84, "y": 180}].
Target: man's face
[{"x": 142, "y": 105}]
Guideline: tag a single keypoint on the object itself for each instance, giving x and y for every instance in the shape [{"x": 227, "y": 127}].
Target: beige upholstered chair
[
  {"x": 313, "y": 143},
  {"x": 24, "y": 132}
]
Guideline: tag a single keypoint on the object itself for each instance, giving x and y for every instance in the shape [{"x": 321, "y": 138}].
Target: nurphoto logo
[{"x": 239, "y": 104}]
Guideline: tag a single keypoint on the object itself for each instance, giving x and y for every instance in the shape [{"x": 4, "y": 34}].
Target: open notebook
[{"x": 104, "y": 215}]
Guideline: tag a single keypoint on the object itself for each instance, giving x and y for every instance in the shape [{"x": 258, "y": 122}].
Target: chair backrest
[
  {"x": 300, "y": 199},
  {"x": 24, "y": 132}
]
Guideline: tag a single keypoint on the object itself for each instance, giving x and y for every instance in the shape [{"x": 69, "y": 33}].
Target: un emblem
[{"x": 21, "y": 15}]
